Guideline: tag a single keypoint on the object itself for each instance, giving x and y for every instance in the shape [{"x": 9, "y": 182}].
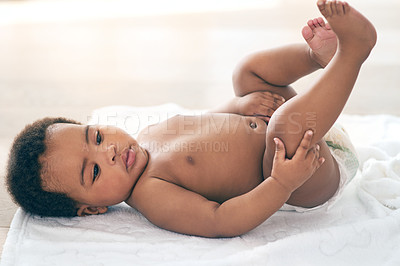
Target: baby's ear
[{"x": 88, "y": 210}]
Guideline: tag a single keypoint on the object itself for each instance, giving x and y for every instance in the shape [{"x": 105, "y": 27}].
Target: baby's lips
[
  {"x": 128, "y": 156},
  {"x": 124, "y": 156},
  {"x": 131, "y": 158}
]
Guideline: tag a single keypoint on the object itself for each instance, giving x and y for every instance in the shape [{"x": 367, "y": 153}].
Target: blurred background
[{"x": 68, "y": 57}]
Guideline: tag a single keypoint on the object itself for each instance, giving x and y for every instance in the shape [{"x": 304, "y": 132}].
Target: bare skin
[
  {"x": 221, "y": 175},
  {"x": 324, "y": 101},
  {"x": 321, "y": 39}
]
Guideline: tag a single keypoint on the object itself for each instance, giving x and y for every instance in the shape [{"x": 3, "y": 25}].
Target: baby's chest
[{"x": 217, "y": 167}]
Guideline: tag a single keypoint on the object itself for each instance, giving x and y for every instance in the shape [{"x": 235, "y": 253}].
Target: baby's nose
[{"x": 111, "y": 153}]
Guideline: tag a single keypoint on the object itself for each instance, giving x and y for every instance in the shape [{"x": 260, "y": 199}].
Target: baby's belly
[{"x": 225, "y": 160}]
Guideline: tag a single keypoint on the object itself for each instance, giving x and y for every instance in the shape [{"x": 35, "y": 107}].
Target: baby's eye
[
  {"x": 98, "y": 137},
  {"x": 96, "y": 170}
]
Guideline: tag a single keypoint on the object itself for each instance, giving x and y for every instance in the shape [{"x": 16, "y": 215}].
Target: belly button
[
  {"x": 190, "y": 160},
  {"x": 253, "y": 125}
]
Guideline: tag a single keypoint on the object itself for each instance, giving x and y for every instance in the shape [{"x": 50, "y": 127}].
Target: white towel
[
  {"x": 358, "y": 230},
  {"x": 381, "y": 175}
]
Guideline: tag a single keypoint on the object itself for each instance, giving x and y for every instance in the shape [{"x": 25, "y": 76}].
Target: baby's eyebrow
[
  {"x": 85, "y": 160},
  {"x": 87, "y": 134}
]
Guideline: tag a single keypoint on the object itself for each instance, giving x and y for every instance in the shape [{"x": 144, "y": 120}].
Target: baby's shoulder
[{"x": 146, "y": 188}]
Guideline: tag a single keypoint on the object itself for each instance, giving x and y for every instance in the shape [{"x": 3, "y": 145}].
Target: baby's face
[{"x": 94, "y": 165}]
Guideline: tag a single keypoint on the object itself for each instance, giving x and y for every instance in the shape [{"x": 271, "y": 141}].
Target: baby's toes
[{"x": 324, "y": 8}]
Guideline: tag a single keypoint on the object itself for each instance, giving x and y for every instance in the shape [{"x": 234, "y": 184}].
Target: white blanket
[{"x": 362, "y": 228}]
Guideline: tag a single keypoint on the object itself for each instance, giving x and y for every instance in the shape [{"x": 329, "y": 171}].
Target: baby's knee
[{"x": 289, "y": 129}]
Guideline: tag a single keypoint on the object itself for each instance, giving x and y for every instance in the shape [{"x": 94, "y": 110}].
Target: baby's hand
[
  {"x": 292, "y": 173},
  {"x": 261, "y": 104}
]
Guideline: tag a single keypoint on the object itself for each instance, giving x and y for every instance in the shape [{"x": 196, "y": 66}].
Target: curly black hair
[{"x": 23, "y": 178}]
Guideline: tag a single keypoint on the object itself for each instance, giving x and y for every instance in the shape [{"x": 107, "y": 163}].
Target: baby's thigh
[{"x": 321, "y": 186}]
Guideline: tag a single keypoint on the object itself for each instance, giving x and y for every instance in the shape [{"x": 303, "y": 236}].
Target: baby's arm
[{"x": 174, "y": 208}]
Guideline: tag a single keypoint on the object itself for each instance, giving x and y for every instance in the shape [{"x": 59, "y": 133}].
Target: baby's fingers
[
  {"x": 314, "y": 157},
  {"x": 318, "y": 162},
  {"x": 276, "y": 98},
  {"x": 279, "y": 100},
  {"x": 321, "y": 160},
  {"x": 313, "y": 151},
  {"x": 305, "y": 144},
  {"x": 265, "y": 110},
  {"x": 279, "y": 150}
]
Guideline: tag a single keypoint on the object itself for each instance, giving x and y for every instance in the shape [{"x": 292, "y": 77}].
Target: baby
[{"x": 223, "y": 173}]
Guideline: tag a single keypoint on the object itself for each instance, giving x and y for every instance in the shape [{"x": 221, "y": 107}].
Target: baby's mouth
[{"x": 128, "y": 157}]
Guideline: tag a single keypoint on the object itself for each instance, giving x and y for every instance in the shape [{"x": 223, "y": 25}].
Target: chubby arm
[{"x": 174, "y": 208}]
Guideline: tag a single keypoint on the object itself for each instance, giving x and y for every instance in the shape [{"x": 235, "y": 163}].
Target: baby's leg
[
  {"x": 319, "y": 108},
  {"x": 275, "y": 69}
]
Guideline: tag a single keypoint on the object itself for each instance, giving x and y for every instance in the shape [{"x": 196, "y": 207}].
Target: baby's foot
[
  {"x": 321, "y": 39},
  {"x": 356, "y": 34}
]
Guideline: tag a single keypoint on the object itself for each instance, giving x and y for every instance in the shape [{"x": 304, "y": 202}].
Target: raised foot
[
  {"x": 356, "y": 34},
  {"x": 321, "y": 39}
]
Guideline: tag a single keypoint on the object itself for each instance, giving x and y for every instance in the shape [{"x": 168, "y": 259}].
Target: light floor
[{"x": 74, "y": 57}]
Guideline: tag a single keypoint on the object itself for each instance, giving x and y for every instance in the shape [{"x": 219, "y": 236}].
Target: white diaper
[{"x": 346, "y": 156}]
